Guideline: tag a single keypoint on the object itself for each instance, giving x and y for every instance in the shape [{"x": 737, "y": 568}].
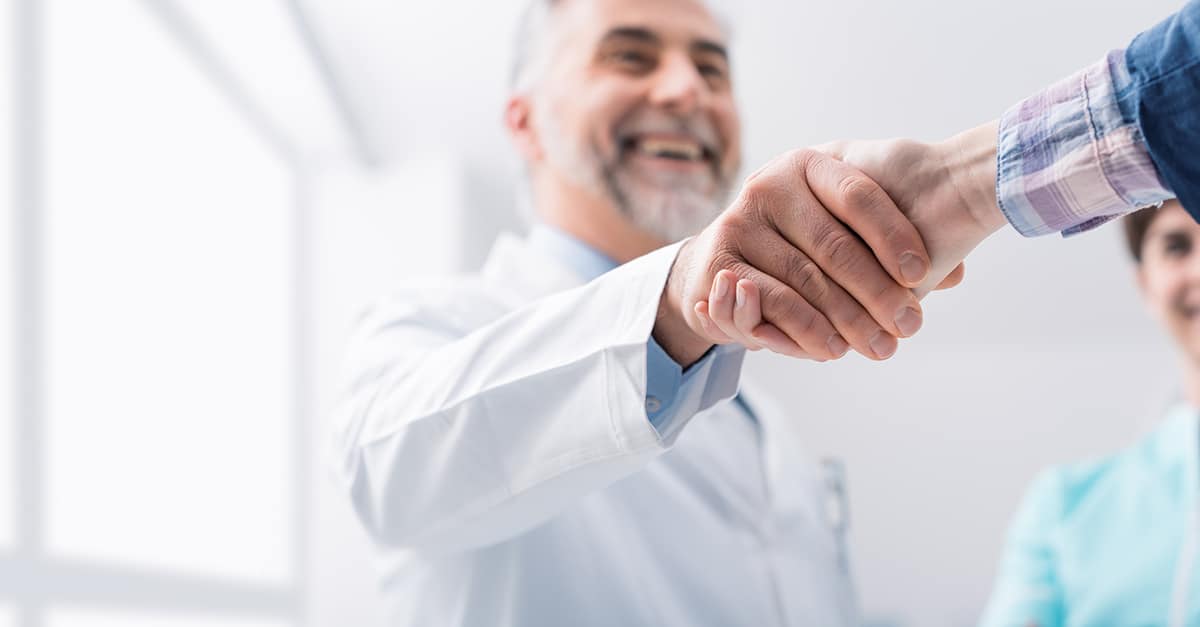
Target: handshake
[{"x": 831, "y": 248}]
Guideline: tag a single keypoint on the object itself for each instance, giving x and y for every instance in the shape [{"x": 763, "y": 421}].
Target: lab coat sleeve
[
  {"x": 449, "y": 441},
  {"x": 1027, "y": 590}
]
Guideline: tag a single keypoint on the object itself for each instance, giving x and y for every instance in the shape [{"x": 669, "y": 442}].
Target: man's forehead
[{"x": 672, "y": 21}]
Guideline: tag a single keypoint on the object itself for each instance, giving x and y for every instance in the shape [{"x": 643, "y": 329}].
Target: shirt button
[{"x": 653, "y": 405}]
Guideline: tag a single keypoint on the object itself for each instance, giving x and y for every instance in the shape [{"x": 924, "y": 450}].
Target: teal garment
[{"x": 1109, "y": 542}]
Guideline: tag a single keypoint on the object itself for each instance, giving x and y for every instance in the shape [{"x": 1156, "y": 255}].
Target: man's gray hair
[{"x": 530, "y": 46}]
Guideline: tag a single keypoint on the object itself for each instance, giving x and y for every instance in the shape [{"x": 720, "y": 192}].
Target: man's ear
[{"x": 519, "y": 122}]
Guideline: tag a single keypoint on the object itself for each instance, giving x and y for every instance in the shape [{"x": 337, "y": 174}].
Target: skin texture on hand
[
  {"x": 819, "y": 249},
  {"x": 947, "y": 190}
]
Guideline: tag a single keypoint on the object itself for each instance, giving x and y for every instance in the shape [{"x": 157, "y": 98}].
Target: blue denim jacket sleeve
[{"x": 1163, "y": 97}]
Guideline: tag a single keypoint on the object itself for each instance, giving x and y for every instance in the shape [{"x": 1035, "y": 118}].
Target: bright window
[{"x": 167, "y": 228}]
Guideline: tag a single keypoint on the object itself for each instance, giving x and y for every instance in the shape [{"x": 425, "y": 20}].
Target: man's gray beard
[{"x": 668, "y": 212}]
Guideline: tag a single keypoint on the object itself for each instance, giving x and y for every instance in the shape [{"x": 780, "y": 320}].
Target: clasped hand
[{"x": 829, "y": 249}]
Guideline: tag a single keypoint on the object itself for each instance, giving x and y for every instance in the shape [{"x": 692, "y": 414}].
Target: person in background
[{"x": 1113, "y": 541}]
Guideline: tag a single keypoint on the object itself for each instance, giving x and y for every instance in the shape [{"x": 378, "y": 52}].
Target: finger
[
  {"x": 953, "y": 279},
  {"x": 783, "y": 307},
  {"x": 722, "y": 306},
  {"x": 712, "y": 333},
  {"x": 856, "y": 326},
  {"x": 720, "y": 303},
  {"x": 747, "y": 313},
  {"x": 777, "y": 341},
  {"x": 806, "y": 225},
  {"x": 863, "y": 206}
]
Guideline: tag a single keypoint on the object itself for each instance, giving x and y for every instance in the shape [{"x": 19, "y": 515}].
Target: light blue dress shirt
[{"x": 666, "y": 381}]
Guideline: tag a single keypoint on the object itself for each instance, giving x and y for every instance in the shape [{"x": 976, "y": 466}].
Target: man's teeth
[{"x": 671, "y": 149}]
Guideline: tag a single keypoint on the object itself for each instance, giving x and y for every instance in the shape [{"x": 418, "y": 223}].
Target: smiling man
[
  {"x": 659, "y": 159},
  {"x": 559, "y": 440}
]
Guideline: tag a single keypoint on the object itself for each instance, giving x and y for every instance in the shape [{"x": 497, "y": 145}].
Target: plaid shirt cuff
[{"x": 1068, "y": 161}]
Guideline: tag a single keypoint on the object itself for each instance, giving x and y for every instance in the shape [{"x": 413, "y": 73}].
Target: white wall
[{"x": 1043, "y": 355}]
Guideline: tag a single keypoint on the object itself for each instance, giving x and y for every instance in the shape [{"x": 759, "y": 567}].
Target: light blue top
[
  {"x": 666, "y": 381},
  {"x": 1108, "y": 542}
]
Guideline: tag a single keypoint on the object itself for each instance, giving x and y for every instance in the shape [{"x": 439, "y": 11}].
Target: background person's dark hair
[{"x": 1136, "y": 225}]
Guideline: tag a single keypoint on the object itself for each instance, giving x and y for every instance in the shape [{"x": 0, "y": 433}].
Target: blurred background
[{"x": 199, "y": 196}]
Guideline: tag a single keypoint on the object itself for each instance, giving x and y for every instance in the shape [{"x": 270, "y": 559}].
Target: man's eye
[
  {"x": 631, "y": 58},
  {"x": 711, "y": 71}
]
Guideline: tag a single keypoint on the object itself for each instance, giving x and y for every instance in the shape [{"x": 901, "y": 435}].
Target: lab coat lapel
[{"x": 528, "y": 272}]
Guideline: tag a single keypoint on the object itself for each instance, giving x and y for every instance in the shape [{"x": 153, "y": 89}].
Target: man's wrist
[
  {"x": 971, "y": 172},
  {"x": 671, "y": 330}
]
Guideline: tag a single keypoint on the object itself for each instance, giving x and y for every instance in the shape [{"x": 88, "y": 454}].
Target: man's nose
[{"x": 678, "y": 86}]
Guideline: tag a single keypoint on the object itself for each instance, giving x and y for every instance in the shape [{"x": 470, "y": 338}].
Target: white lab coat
[{"x": 494, "y": 441}]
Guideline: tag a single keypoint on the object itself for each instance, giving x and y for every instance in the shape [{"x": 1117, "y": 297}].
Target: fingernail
[
  {"x": 908, "y": 320},
  {"x": 913, "y": 268},
  {"x": 722, "y": 286},
  {"x": 837, "y": 345},
  {"x": 883, "y": 345},
  {"x": 739, "y": 295}
]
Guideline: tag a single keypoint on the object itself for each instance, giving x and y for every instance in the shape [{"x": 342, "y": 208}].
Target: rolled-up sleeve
[{"x": 1069, "y": 159}]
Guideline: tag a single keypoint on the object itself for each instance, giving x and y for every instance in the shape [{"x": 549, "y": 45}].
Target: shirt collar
[{"x": 583, "y": 260}]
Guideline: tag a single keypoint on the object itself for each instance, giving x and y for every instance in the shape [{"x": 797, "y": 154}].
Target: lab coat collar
[
  {"x": 530, "y": 273},
  {"x": 587, "y": 262}
]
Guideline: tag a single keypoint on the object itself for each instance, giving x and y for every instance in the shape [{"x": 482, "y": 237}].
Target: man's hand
[
  {"x": 947, "y": 189},
  {"x": 820, "y": 253}
]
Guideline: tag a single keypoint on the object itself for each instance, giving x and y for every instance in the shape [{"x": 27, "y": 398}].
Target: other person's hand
[{"x": 947, "y": 189}]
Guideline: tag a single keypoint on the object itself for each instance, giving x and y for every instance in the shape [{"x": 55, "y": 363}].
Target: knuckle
[
  {"x": 759, "y": 197},
  {"x": 801, "y": 157},
  {"x": 840, "y": 249},
  {"x": 807, "y": 321},
  {"x": 859, "y": 192},
  {"x": 735, "y": 225},
  {"x": 793, "y": 315},
  {"x": 806, "y": 277},
  {"x": 724, "y": 259},
  {"x": 897, "y": 234},
  {"x": 889, "y": 296}
]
